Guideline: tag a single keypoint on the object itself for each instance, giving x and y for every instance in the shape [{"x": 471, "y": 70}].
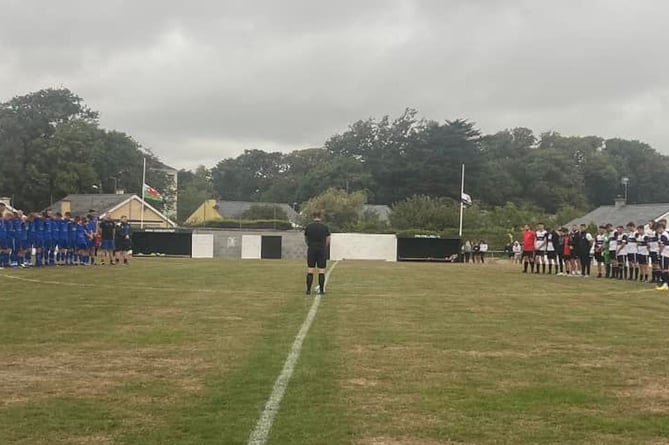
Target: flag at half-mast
[
  {"x": 466, "y": 200},
  {"x": 151, "y": 194}
]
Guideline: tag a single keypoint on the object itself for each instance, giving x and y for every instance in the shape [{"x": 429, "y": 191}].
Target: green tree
[
  {"x": 426, "y": 213},
  {"x": 27, "y": 126},
  {"x": 247, "y": 176},
  {"x": 341, "y": 209},
  {"x": 194, "y": 188}
]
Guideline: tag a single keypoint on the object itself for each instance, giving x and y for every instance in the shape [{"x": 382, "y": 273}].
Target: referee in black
[{"x": 317, "y": 237}]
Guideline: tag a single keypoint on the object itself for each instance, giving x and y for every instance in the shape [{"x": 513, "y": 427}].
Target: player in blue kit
[
  {"x": 12, "y": 227},
  {"x": 20, "y": 240},
  {"x": 26, "y": 246},
  {"x": 38, "y": 234},
  {"x": 72, "y": 254},
  {"x": 61, "y": 239},
  {"x": 82, "y": 241},
  {"x": 49, "y": 246},
  {"x": 91, "y": 232},
  {"x": 4, "y": 241}
]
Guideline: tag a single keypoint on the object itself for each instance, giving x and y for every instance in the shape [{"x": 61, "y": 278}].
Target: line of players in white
[{"x": 633, "y": 252}]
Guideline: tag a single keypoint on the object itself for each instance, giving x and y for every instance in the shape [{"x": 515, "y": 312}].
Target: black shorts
[
  {"x": 612, "y": 255},
  {"x": 599, "y": 257},
  {"x": 539, "y": 253},
  {"x": 664, "y": 263},
  {"x": 316, "y": 258},
  {"x": 631, "y": 258},
  {"x": 642, "y": 259},
  {"x": 551, "y": 254},
  {"x": 653, "y": 257},
  {"x": 123, "y": 245},
  {"x": 621, "y": 259},
  {"x": 528, "y": 254}
]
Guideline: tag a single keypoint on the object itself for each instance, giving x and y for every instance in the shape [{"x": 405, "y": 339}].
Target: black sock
[
  {"x": 525, "y": 266},
  {"x": 550, "y": 269},
  {"x": 321, "y": 281},
  {"x": 636, "y": 273},
  {"x": 543, "y": 268},
  {"x": 310, "y": 281}
]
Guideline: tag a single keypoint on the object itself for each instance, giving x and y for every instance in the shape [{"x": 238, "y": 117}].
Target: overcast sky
[{"x": 200, "y": 81}]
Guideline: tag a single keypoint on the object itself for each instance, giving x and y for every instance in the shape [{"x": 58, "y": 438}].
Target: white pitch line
[{"x": 260, "y": 433}]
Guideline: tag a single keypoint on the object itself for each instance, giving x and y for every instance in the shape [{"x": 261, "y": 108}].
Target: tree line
[
  {"x": 51, "y": 144},
  {"x": 394, "y": 159}
]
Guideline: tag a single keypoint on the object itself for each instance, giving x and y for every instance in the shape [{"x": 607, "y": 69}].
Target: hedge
[{"x": 246, "y": 224}]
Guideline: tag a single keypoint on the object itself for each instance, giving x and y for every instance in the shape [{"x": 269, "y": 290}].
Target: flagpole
[
  {"x": 141, "y": 218},
  {"x": 462, "y": 205}
]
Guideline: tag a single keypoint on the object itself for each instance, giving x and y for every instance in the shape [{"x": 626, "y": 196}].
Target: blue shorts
[
  {"x": 107, "y": 244},
  {"x": 4, "y": 243},
  {"x": 82, "y": 245}
]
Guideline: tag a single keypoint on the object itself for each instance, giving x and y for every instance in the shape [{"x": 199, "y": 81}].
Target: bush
[
  {"x": 265, "y": 212},
  {"x": 273, "y": 224}
]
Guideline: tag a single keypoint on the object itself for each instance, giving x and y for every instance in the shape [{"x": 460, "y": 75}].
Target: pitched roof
[
  {"x": 235, "y": 209},
  {"x": 81, "y": 204},
  {"x": 639, "y": 214}
]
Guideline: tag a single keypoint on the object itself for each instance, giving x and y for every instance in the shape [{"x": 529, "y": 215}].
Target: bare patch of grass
[{"x": 92, "y": 373}]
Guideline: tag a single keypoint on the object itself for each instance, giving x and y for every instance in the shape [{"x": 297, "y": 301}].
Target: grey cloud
[{"x": 199, "y": 81}]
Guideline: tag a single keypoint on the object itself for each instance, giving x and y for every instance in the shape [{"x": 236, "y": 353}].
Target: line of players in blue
[{"x": 47, "y": 239}]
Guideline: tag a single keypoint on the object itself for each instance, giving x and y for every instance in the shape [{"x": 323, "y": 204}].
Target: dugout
[
  {"x": 172, "y": 242},
  {"x": 429, "y": 249}
]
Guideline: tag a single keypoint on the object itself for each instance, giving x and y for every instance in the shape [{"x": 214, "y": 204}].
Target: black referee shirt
[{"x": 316, "y": 233}]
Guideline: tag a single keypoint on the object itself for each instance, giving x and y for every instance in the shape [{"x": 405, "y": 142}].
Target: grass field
[{"x": 170, "y": 351}]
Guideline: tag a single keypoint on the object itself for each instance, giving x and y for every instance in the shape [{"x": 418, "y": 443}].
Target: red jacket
[{"x": 528, "y": 240}]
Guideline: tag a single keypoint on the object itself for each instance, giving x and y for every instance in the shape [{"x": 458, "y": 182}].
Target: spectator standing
[
  {"x": 517, "y": 252},
  {"x": 467, "y": 251},
  {"x": 476, "y": 249},
  {"x": 483, "y": 249}
]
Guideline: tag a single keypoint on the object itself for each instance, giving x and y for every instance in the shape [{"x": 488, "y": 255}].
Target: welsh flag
[{"x": 151, "y": 194}]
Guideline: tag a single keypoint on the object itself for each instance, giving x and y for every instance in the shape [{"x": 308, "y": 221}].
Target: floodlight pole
[{"x": 462, "y": 206}]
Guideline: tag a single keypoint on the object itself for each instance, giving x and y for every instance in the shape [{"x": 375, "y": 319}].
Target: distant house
[
  {"x": 621, "y": 213},
  {"x": 114, "y": 206},
  {"x": 216, "y": 210},
  {"x": 7, "y": 201}
]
